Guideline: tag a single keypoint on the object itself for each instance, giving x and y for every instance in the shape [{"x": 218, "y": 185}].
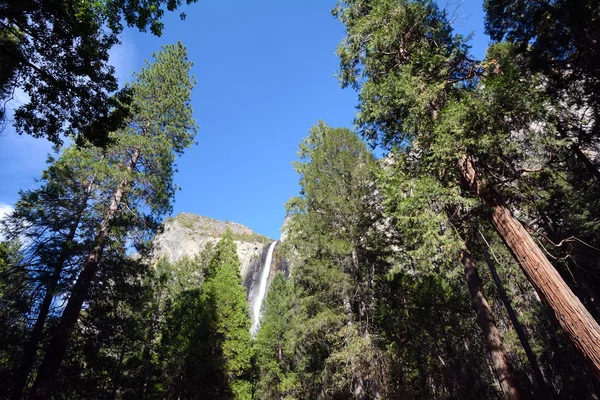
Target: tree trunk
[
  {"x": 453, "y": 369},
  {"x": 592, "y": 169},
  {"x": 20, "y": 379},
  {"x": 544, "y": 390},
  {"x": 487, "y": 322},
  {"x": 573, "y": 317},
  {"x": 46, "y": 379},
  {"x": 117, "y": 375}
]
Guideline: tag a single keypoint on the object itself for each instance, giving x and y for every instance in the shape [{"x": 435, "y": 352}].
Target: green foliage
[
  {"x": 336, "y": 177},
  {"x": 422, "y": 95},
  {"x": 15, "y": 300},
  {"x": 316, "y": 341},
  {"x": 417, "y": 206},
  {"x": 232, "y": 322},
  {"x": 160, "y": 128},
  {"x": 276, "y": 336},
  {"x": 206, "y": 347},
  {"x": 374, "y": 306},
  {"x": 559, "y": 39},
  {"x": 251, "y": 237},
  {"x": 60, "y": 59}
]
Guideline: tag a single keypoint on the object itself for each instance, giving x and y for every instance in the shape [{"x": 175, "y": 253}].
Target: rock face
[{"x": 187, "y": 234}]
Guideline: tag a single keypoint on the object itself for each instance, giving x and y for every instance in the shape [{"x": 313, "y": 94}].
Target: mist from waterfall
[{"x": 262, "y": 290}]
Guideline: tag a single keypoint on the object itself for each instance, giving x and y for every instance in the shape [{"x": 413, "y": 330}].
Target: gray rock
[{"x": 187, "y": 234}]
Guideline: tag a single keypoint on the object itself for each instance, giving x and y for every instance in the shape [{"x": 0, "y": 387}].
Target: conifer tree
[
  {"x": 206, "y": 346},
  {"x": 223, "y": 291},
  {"x": 49, "y": 220},
  {"x": 339, "y": 255},
  {"x": 420, "y": 89},
  {"x": 275, "y": 343},
  {"x": 160, "y": 128},
  {"x": 419, "y": 208}
]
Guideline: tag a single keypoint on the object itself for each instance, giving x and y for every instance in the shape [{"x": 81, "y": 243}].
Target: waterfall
[{"x": 262, "y": 290}]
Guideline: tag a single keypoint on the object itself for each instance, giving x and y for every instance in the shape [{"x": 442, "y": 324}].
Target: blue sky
[{"x": 265, "y": 72}]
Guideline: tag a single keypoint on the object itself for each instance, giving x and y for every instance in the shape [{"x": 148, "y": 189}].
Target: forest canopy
[{"x": 446, "y": 246}]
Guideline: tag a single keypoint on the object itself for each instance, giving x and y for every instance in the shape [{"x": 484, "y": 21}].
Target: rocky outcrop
[{"x": 187, "y": 234}]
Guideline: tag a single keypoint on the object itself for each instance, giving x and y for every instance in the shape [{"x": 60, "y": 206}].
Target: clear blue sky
[{"x": 265, "y": 72}]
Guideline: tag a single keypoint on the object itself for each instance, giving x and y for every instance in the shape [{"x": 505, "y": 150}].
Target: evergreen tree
[
  {"x": 160, "y": 128},
  {"x": 461, "y": 121},
  {"x": 223, "y": 291},
  {"x": 49, "y": 219},
  {"x": 275, "y": 343},
  {"x": 338, "y": 255},
  {"x": 206, "y": 344}
]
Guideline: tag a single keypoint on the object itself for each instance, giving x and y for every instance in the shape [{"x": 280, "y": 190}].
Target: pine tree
[
  {"x": 338, "y": 257},
  {"x": 49, "y": 219},
  {"x": 223, "y": 291},
  {"x": 206, "y": 347},
  {"x": 275, "y": 343},
  {"x": 160, "y": 127}
]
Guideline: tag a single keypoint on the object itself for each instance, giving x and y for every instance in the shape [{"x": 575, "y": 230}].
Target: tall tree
[
  {"x": 420, "y": 89},
  {"x": 206, "y": 343},
  {"x": 48, "y": 219},
  {"x": 333, "y": 231},
  {"x": 160, "y": 128},
  {"x": 275, "y": 342},
  {"x": 420, "y": 208},
  {"x": 559, "y": 40},
  {"x": 224, "y": 292}
]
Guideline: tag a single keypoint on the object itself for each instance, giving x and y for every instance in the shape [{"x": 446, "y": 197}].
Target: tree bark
[
  {"x": 487, "y": 322},
  {"x": 544, "y": 390},
  {"x": 572, "y": 315},
  {"x": 46, "y": 378},
  {"x": 20, "y": 379}
]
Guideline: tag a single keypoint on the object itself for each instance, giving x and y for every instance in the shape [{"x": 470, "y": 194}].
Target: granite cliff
[{"x": 186, "y": 235}]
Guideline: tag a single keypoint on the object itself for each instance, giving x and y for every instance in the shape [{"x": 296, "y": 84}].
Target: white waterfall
[{"x": 262, "y": 289}]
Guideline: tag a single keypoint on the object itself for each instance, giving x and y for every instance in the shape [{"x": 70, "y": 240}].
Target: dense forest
[{"x": 445, "y": 247}]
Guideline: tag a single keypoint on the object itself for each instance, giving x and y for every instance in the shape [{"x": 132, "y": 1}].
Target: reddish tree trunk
[
  {"x": 487, "y": 322},
  {"x": 544, "y": 391},
  {"x": 572, "y": 315},
  {"x": 46, "y": 378}
]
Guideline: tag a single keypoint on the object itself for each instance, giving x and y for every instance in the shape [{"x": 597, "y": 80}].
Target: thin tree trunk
[
  {"x": 572, "y": 315},
  {"x": 116, "y": 375},
  {"x": 544, "y": 390},
  {"x": 46, "y": 379},
  {"x": 147, "y": 353},
  {"x": 453, "y": 370},
  {"x": 592, "y": 169},
  {"x": 487, "y": 322},
  {"x": 20, "y": 380}
]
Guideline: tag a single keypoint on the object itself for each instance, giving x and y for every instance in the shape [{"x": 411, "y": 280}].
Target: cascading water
[{"x": 262, "y": 289}]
